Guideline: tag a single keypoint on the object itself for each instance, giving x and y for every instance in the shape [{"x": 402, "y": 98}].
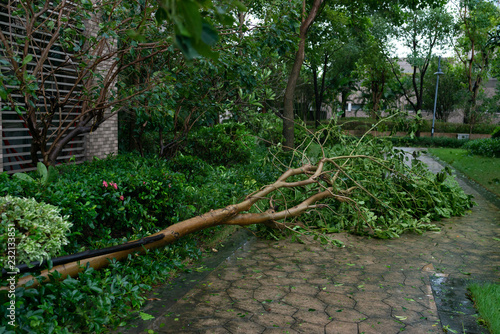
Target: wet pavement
[{"x": 413, "y": 284}]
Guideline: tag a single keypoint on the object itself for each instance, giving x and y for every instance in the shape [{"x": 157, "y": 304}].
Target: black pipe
[{"x": 84, "y": 255}]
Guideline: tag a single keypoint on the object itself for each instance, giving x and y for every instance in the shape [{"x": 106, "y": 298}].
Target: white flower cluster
[{"x": 40, "y": 230}]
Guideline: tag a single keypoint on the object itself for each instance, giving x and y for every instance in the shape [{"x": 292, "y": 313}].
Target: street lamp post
[{"x": 436, "y": 96}]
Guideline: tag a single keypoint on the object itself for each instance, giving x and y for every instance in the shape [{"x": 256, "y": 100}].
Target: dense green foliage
[
  {"x": 129, "y": 196},
  {"x": 489, "y": 147},
  {"x": 390, "y": 197},
  {"x": 38, "y": 229},
  {"x": 223, "y": 144},
  {"x": 95, "y": 301}
]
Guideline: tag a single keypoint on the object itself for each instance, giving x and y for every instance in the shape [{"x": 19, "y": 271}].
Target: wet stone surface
[
  {"x": 368, "y": 286},
  {"x": 456, "y": 310}
]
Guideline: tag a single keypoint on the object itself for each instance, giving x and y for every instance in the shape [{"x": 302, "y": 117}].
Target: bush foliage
[
  {"x": 127, "y": 196},
  {"x": 38, "y": 228},
  {"x": 426, "y": 126},
  {"x": 489, "y": 147},
  {"x": 222, "y": 144}
]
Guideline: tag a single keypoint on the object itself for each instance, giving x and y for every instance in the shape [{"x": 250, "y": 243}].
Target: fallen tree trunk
[
  {"x": 230, "y": 215},
  {"x": 338, "y": 178}
]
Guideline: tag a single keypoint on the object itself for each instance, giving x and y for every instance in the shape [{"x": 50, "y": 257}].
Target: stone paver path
[{"x": 369, "y": 286}]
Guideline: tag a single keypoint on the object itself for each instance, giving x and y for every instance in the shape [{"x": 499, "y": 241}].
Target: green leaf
[
  {"x": 27, "y": 59},
  {"x": 24, "y": 177},
  {"x": 209, "y": 34},
  {"x": 145, "y": 316},
  {"x": 3, "y": 93},
  {"x": 42, "y": 171},
  {"x": 190, "y": 11}
]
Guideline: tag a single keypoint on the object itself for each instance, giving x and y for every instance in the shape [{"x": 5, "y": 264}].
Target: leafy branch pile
[{"x": 367, "y": 188}]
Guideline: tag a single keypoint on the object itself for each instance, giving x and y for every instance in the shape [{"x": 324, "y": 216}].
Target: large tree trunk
[
  {"x": 288, "y": 114},
  {"x": 315, "y": 175}
]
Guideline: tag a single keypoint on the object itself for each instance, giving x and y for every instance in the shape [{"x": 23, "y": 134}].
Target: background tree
[
  {"x": 478, "y": 22},
  {"x": 308, "y": 17},
  {"x": 326, "y": 56},
  {"x": 423, "y": 31},
  {"x": 93, "y": 50},
  {"x": 451, "y": 92},
  {"x": 240, "y": 84},
  {"x": 99, "y": 43}
]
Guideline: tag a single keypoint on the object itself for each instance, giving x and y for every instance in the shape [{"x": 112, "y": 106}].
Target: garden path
[{"x": 369, "y": 286}]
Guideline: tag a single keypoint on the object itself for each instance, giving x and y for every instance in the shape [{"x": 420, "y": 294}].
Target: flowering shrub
[
  {"x": 128, "y": 196},
  {"x": 109, "y": 199},
  {"x": 39, "y": 229}
]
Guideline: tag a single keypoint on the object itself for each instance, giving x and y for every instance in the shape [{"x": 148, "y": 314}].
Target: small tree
[
  {"x": 451, "y": 92},
  {"x": 423, "y": 32},
  {"x": 45, "y": 41}
]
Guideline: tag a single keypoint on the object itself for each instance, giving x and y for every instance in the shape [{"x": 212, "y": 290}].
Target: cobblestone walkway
[{"x": 369, "y": 286}]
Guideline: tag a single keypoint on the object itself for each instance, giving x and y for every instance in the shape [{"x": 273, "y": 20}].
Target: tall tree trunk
[{"x": 288, "y": 114}]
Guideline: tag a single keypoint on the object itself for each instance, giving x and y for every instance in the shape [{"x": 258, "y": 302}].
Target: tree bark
[{"x": 288, "y": 114}]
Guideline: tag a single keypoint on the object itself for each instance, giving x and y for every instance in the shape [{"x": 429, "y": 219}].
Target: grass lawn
[
  {"x": 485, "y": 171},
  {"x": 487, "y": 300}
]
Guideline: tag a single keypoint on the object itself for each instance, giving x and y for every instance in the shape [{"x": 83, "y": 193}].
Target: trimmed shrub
[
  {"x": 427, "y": 142},
  {"x": 489, "y": 147},
  {"x": 36, "y": 231},
  {"x": 125, "y": 196}
]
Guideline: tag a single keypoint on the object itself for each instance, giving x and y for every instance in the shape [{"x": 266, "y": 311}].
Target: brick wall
[{"x": 104, "y": 140}]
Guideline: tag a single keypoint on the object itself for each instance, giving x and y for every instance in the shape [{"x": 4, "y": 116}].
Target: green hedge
[
  {"x": 439, "y": 126},
  {"x": 489, "y": 147},
  {"x": 222, "y": 144},
  {"x": 426, "y": 142}
]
